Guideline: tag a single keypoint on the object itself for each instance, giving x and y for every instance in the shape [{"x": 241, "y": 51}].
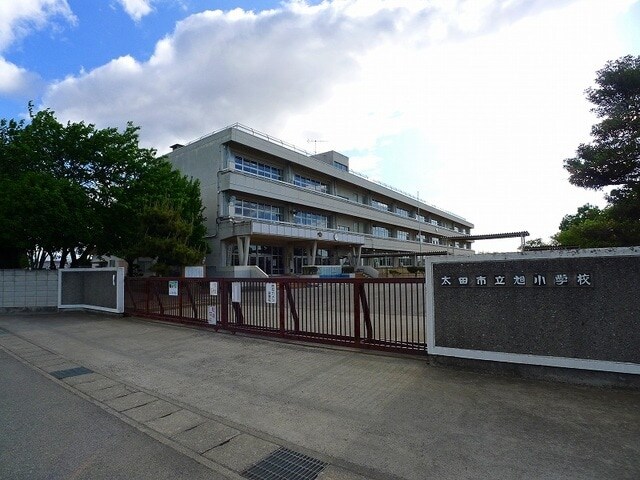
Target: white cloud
[
  {"x": 19, "y": 19},
  {"x": 492, "y": 91},
  {"x": 137, "y": 9},
  {"x": 17, "y": 81}
]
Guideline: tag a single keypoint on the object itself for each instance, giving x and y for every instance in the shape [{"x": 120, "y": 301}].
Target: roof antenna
[{"x": 315, "y": 144}]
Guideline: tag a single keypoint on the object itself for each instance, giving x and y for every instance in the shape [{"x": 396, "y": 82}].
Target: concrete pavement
[
  {"x": 49, "y": 433},
  {"x": 233, "y": 401}
]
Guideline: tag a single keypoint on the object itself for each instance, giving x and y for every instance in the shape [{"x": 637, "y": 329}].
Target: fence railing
[{"x": 383, "y": 314}]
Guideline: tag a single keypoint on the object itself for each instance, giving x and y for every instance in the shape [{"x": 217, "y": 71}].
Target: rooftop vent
[{"x": 176, "y": 146}]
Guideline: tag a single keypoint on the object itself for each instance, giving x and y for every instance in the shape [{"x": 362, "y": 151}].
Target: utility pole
[{"x": 419, "y": 228}]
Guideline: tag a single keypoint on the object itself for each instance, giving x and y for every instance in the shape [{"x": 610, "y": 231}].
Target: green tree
[
  {"x": 538, "y": 243},
  {"x": 612, "y": 159},
  {"x": 75, "y": 190}
]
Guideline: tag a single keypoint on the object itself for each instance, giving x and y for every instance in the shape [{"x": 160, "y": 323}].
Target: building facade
[{"x": 272, "y": 205}]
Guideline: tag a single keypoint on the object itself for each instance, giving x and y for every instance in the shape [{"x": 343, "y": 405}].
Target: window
[
  {"x": 402, "y": 212},
  {"x": 380, "y": 232},
  {"x": 435, "y": 240},
  {"x": 434, "y": 222},
  {"x": 379, "y": 205},
  {"x": 313, "y": 219},
  {"x": 262, "y": 211},
  {"x": 401, "y": 235},
  {"x": 421, "y": 238},
  {"x": 344, "y": 228},
  {"x": 340, "y": 166},
  {"x": 420, "y": 218},
  {"x": 249, "y": 166},
  {"x": 305, "y": 182},
  {"x": 406, "y": 261},
  {"x": 385, "y": 261}
]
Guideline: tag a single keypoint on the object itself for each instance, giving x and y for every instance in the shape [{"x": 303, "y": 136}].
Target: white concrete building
[{"x": 272, "y": 205}]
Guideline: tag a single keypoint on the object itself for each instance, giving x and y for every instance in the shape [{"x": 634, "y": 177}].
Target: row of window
[
  {"x": 305, "y": 182},
  {"x": 263, "y": 211},
  {"x": 255, "y": 168},
  {"x": 312, "y": 219},
  {"x": 263, "y": 170}
]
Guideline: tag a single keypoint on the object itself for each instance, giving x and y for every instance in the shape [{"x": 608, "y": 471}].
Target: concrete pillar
[
  {"x": 311, "y": 259},
  {"x": 240, "y": 251},
  {"x": 243, "y": 250}
]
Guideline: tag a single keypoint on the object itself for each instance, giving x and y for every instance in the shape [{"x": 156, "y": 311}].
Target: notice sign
[
  {"x": 270, "y": 292},
  {"x": 212, "y": 315},
  {"x": 213, "y": 289},
  {"x": 173, "y": 288},
  {"x": 236, "y": 288}
]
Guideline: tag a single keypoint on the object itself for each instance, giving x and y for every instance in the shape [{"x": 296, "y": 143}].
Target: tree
[
  {"x": 538, "y": 243},
  {"x": 612, "y": 159},
  {"x": 75, "y": 190}
]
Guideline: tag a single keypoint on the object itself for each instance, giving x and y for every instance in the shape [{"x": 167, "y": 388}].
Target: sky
[{"x": 472, "y": 105}]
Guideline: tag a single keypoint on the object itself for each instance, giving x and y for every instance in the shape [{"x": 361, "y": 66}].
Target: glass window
[
  {"x": 305, "y": 182},
  {"x": 249, "y": 166},
  {"x": 340, "y": 166},
  {"x": 263, "y": 211},
  {"x": 386, "y": 261},
  {"x": 343, "y": 227},
  {"x": 402, "y": 212},
  {"x": 420, "y": 218},
  {"x": 402, "y": 235},
  {"x": 313, "y": 219},
  {"x": 380, "y": 232},
  {"x": 406, "y": 261},
  {"x": 379, "y": 205}
]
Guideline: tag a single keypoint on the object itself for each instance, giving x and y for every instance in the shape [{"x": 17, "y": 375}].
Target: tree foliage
[
  {"x": 612, "y": 159},
  {"x": 74, "y": 190}
]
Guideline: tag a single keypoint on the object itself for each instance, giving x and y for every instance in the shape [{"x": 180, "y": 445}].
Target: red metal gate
[{"x": 383, "y": 314}]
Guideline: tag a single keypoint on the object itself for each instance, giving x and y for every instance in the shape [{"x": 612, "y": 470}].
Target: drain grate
[
  {"x": 285, "y": 464},
  {"x": 71, "y": 372}
]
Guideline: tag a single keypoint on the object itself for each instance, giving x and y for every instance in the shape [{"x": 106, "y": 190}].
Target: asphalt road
[{"x": 47, "y": 432}]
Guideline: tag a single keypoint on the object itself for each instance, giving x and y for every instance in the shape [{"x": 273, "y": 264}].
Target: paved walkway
[
  {"x": 231, "y": 402},
  {"x": 50, "y": 433}
]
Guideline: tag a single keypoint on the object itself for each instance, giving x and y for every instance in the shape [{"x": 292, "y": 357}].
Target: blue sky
[{"x": 472, "y": 103}]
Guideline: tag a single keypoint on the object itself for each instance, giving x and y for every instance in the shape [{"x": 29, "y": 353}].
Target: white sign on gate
[
  {"x": 173, "y": 288},
  {"x": 213, "y": 289},
  {"x": 236, "y": 289},
  {"x": 270, "y": 293},
  {"x": 212, "y": 314}
]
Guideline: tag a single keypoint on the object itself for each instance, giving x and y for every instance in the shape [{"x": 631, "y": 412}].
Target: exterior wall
[
  {"x": 28, "y": 289},
  {"x": 574, "y": 309}
]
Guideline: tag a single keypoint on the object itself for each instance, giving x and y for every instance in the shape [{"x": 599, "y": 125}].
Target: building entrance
[{"x": 268, "y": 258}]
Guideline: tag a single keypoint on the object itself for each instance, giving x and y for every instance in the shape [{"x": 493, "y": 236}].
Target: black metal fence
[{"x": 383, "y": 314}]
